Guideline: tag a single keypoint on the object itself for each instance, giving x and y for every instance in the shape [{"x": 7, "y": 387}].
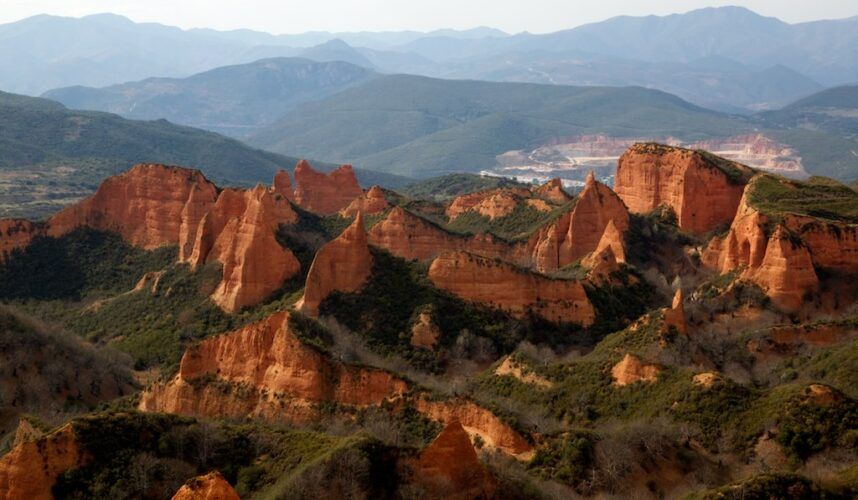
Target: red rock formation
[
  {"x": 211, "y": 486},
  {"x": 239, "y": 232},
  {"x": 675, "y": 315},
  {"x": 449, "y": 467},
  {"x": 631, "y": 369},
  {"x": 411, "y": 237},
  {"x": 343, "y": 265},
  {"x": 832, "y": 245},
  {"x": 519, "y": 292},
  {"x": 424, "y": 332},
  {"x": 144, "y": 205},
  {"x": 477, "y": 421},
  {"x": 270, "y": 374},
  {"x": 602, "y": 264},
  {"x": 698, "y": 191},
  {"x": 325, "y": 194},
  {"x": 786, "y": 272},
  {"x": 579, "y": 231},
  {"x": 553, "y": 192},
  {"x": 16, "y": 234},
  {"x": 371, "y": 202},
  {"x": 494, "y": 203},
  {"x": 30, "y": 469},
  {"x": 283, "y": 186}
]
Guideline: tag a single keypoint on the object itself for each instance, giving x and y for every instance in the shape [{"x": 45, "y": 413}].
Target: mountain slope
[
  {"x": 424, "y": 126},
  {"x": 233, "y": 100},
  {"x": 50, "y": 155}
]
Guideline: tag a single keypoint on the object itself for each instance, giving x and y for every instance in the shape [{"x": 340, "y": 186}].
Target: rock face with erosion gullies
[
  {"x": 580, "y": 230},
  {"x": 239, "y": 231},
  {"x": 786, "y": 272},
  {"x": 703, "y": 190},
  {"x": 16, "y": 234},
  {"x": 325, "y": 193},
  {"x": 30, "y": 469},
  {"x": 270, "y": 374},
  {"x": 373, "y": 201},
  {"x": 449, "y": 467},
  {"x": 211, "y": 486},
  {"x": 144, "y": 205},
  {"x": 342, "y": 265},
  {"x": 283, "y": 186},
  {"x": 631, "y": 369},
  {"x": 498, "y": 284},
  {"x": 552, "y": 191},
  {"x": 477, "y": 421}
]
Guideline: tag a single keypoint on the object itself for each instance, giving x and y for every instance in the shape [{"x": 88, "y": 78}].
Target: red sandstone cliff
[
  {"x": 325, "y": 194},
  {"x": 579, "y": 231},
  {"x": 372, "y": 202},
  {"x": 239, "y": 232},
  {"x": 16, "y": 234},
  {"x": 270, "y": 374},
  {"x": 144, "y": 205},
  {"x": 553, "y": 192},
  {"x": 698, "y": 191},
  {"x": 211, "y": 486},
  {"x": 283, "y": 186},
  {"x": 519, "y": 292},
  {"x": 494, "y": 203},
  {"x": 30, "y": 469},
  {"x": 343, "y": 264},
  {"x": 449, "y": 467}
]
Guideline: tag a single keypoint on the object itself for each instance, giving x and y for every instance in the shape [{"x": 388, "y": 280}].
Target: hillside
[
  {"x": 424, "y": 126},
  {"x": 232, "y": 100},
  {"x": 51, "y": 156}
]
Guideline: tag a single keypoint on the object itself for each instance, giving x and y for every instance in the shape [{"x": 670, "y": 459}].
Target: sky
[{"x": 296, "y": 16}]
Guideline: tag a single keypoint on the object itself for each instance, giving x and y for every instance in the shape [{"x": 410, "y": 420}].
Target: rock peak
[{"x": 591, "y": 178}]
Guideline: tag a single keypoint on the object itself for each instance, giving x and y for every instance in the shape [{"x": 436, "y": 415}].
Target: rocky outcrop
[
  {"x": 30, "y": 469},
  {"x": 144, "y": 205},
  {"x": 514, "y": 290},
  {"x": 674, "y": 316},
  {"x": 372, "y": 202},
  {"x": 211, "y": 486},
  {"x": 832, "y": 245},
  {"x": 609, "y": 254},
  {"x": 703, "y": 190},
  {"x": 264, "y": 371},
  {"x": 325, "y": 194},
  {"x": 631, "y": 369},
  {"x": 786, "y": 272},
  {"x": 780, "y": 263},
  {"x": 477, "y": 421},
  {"x": 553, "y": 192},
  {"x": 239, "y": 232},
  {"x": 341, "y": 265},
  {"x": 449, "y": 467},
  {"x": 494, "y": 203},
  {"x": 17, "y": 234},
  {"x": 579, "y": 231},
  {"x": 25, "y": 432},
  {"x": 517, "y": 370},
  {"x": 424, "y": 332},
  {"x": 283, "y": 186}
]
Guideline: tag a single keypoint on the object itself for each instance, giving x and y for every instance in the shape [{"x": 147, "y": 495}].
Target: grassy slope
[
  {"x": 421, "y": 126},
  {"x": 817, "y": 197}
]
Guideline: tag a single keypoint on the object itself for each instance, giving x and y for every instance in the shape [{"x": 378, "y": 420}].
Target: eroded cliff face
[
  {"x": 832, "y": 245},
  {"x": 239, "y": 232},
  {"x": 449, "y": 467},
  {"x": 264, "y": 371},
  {"x": 16, "y": 234},
  {"x": 553, "y": 192},
  {"x": 325, "y": 194},
  {"x": 144, "y": 205},
  {"x": 477, "y": 421},
  {"x": 372, "y": 202},
  {"x": 693, "y": 185},
  {"x": 504, "y": 286},
  {"x": 343, "y": 265},
  {"x": 579, "y": 231},
  {"x": 30, "y": 469},
  {"x": 674, "y": 316},
  {"x": 786, "y": 272},
  {"x": 211, "y": 486},
  {"x": 283, "y": 186}
]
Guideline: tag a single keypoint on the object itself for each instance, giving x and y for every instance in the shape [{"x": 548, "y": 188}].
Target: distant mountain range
[{"x": 728, "y": 58}]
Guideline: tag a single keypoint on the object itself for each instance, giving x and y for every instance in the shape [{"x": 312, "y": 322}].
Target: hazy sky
[{"x": 293, "y": 16}]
